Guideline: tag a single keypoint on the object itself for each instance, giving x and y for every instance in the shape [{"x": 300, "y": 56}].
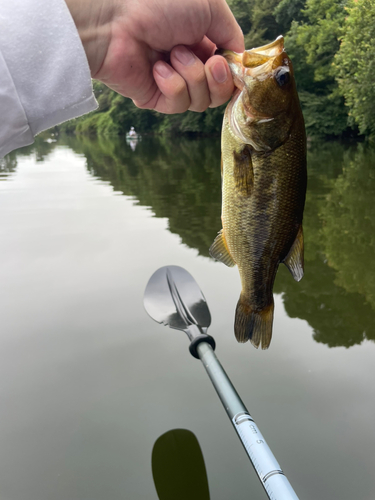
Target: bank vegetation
[{"x": 331, "y": 45}]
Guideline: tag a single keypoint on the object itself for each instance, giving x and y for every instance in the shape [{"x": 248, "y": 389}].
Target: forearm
[
  {"x": 93, "y": 20},
  {"x": 45, "y": 78}
]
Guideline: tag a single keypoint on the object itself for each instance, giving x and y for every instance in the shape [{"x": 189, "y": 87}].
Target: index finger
[{"x": 224, "y": 30}]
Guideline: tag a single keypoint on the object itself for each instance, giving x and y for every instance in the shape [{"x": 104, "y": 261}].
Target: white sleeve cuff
[{"x": 44, "y": 74}]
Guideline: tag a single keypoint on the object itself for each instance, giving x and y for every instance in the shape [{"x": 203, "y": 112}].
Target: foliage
[
  {"x": 288, "y": 11},
  {"x": 319, "y": 35},
  {"x": 116, "y": 114},
  {"x": 243, "y": 12},
  {"x": 324, "y": 114},
  {"x": 355, "y": 64},
  {"x": 312, "y": 44},
  {"x": 257, "y": 20},
  {"x": 324, "y": 72}
]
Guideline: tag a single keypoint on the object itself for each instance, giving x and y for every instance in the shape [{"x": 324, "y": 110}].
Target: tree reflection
[
  {"x": 7, "y": 166},
  {"x": 349, "y": 225},
  {"x": 339, "y": 318},
  {"x": 334, "y": 295},
  {"x": 42, "y": 147},
  {"x": 181, "y": 181}
]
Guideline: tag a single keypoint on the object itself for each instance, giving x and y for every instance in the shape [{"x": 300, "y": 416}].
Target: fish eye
[{"x": 282, "y": 76}]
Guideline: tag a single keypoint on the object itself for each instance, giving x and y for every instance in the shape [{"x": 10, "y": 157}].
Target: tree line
[{"x": 330, "y": 44}]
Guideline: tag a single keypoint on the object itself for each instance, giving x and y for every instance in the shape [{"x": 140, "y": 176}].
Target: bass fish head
[{"x": 265, "y": 104}]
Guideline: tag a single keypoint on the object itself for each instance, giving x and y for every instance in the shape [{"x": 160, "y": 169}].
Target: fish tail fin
[{"x": 252, "y": 325}]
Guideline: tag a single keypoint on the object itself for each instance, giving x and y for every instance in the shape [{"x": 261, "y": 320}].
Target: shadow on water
[
  {"x": 178, "y": 467},
  {"x": 180, "y": 180}
]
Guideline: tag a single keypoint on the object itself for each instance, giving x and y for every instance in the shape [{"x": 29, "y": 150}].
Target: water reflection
[
  {"x": 133, "y": 142},
  {"x": 44, "y": 144},
  {"x": 7, "y": 166},
  {"x": 349, "y": 226},
  {"x": 180, "y": 181},
  {"x": 336, "y": 296}
]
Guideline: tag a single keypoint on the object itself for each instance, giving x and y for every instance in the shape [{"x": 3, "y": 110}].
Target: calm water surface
[{"x": 88, "y": 382}]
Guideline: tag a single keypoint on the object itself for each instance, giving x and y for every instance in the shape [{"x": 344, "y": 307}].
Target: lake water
[{"x": 88, "y": 381}]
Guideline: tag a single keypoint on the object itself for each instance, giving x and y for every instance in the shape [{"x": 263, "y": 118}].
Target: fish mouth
[
  {"x": 271, "y": 49},
  {"x": 257, "y": 62}
]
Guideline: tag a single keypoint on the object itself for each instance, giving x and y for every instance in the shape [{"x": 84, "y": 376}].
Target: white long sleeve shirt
[{"x": 44, "y": 74}]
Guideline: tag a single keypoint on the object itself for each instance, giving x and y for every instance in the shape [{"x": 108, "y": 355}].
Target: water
[{"x": 89, "y": 381}]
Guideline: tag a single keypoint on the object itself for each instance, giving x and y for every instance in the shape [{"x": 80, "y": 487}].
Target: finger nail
[
  {"x": 163, "y": 69},
  {"x": 184, "y": 56},
  {"x": 219, "y": 72}
]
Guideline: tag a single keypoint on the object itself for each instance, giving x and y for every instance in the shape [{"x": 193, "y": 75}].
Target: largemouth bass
[{"x": 263, "y": 183}]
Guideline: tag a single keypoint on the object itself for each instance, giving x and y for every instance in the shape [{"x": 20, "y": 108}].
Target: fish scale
[{"x": 263, "y": 184}]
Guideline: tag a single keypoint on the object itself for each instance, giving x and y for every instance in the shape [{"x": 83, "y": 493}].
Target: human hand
[{"x": 160, "y": 52}]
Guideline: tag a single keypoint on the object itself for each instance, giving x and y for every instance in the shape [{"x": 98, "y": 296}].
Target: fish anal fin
[
  {"x": 243, "y": 171},
  {"x": 219, "y": 250},
  {"x": 294, "y": 260},
  {"x": 253, "y": 325}
]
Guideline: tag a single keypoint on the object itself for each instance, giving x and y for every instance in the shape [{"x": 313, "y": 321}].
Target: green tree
[
  {"x": 288, "y": 11},
  {"x": 243, "y": 12},
  {"x": 257, "y": 20},
  {"x": 312, "y": 44},
  {"x": 116, "y": 114},
  {"x": 355, "y": 64}
]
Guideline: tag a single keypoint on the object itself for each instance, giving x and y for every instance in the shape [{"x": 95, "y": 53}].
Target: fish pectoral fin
[
  {"x": 219, "y": 250},
  {"x": 294, "y": 259},
  {"x": 243, "y": 171}
]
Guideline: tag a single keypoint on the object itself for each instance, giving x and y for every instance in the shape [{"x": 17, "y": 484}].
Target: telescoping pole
[{"x": 264, "y": 462}]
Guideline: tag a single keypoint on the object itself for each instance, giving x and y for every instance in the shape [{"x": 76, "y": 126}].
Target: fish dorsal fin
[
  {"x": 219, "y": 250},
  {"x": 294, "y": 259}
]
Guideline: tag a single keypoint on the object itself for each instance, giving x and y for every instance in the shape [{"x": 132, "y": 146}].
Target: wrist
[{"x": 93, "y": 20}]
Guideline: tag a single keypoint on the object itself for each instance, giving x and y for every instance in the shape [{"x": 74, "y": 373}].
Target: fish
[{"x": 264, "y": 178}]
